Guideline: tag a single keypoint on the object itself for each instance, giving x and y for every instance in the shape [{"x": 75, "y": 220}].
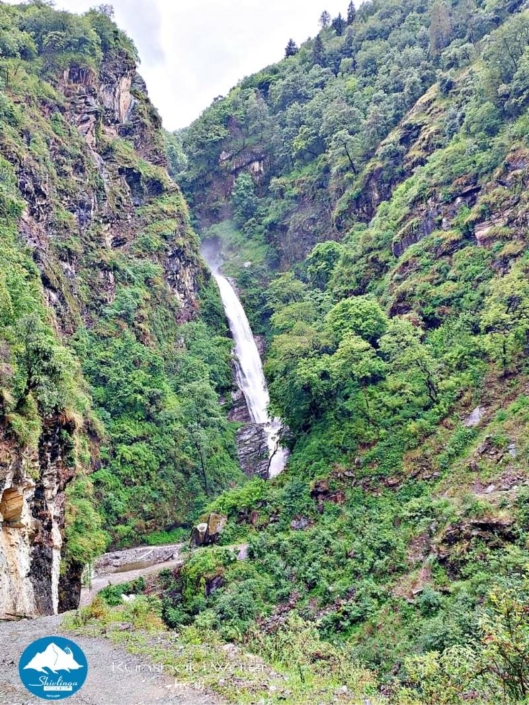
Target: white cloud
[{"x": 194, "y": 50}]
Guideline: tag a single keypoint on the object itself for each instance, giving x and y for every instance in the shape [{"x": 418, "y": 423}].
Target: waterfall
[{"x": 249, "y": 373}]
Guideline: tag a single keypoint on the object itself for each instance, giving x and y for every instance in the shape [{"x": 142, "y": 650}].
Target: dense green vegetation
[
  {"x": 370, "y": 195},
  {"x": 296, "y": 664},
  {"x": 376, "y": 180},
  {"x": 97, "y": 331},
  {"x": 314, "y": 128}
]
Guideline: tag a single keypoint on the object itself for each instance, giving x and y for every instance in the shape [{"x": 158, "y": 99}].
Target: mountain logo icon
[
  {"x": 53, "y": 668},
  {"x": 54, "y": 659}
]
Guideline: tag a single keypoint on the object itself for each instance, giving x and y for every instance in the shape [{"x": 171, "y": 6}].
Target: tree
[
  {"x": 377, "y": 123},
  {"x": 506, "y": 639},
  {"x": 464, "y": 13},
  {"x": 322, "y": 261},
  {"x": 505, "y": 49},
  {"x": 318, "y": 52},
  {"x": 55, "y": 42},
  {"x": 356, "y": 364},
  {"x": 300, "y": 384},
  {"x": 348, "y": 49},
  {"x": 244, "y": 200},
  {"x": 519, "y": 94},
  {"x": 107, "y": 10},
  {"x": 339, "y": 25},
  {"x": 440, "y": 27},
  {"x": 351, "y": 13},
  {"x": 176, "y": 157},
  {"x": 203, "y": 420},
  {"x": 360, "y": 315},
  {"x": 285, "y": 289},
  {"x": 291, "y": 48},
  {"x": 325, "y": 19},
  {"x": 307, "y": 143},
  {"x": 345, "y": 144},
  {"x": 258, "y": 118},
  {"x": 402, "y": 347}
]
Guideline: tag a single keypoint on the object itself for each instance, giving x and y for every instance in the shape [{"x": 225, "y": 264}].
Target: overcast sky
[{"x": 195, "y": 50}]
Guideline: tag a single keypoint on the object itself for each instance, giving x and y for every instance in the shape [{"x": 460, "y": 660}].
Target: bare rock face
[
  {"x": 32, "y": 520},
  {"x": 12, "y": 506},
  {"x": 17, "y": 595},
  {"x": 183, "y": 274},
  {"x": 253, "y": 451},
  {"x": 239, "y": 411}
]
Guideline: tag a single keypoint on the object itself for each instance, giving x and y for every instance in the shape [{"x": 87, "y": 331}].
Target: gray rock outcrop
[
  {"x": 208, "y": 531},
  {"x": 253, "y": 451}
]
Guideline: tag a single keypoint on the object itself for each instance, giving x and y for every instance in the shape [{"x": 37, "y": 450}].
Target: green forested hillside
[
  {"x": 317, "y": 131},
  {"x": 370, "y": 196},
  {"x": 112, "y": 337},
  {"x": 369, "y": 192}
]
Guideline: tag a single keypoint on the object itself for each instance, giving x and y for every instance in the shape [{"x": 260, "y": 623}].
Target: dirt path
[
  {"x": 123, "y": 566},
  {"x": 105, "y": 569},
  {"x": 102, "y": 581},
  {"x": 115, "y": 677}
]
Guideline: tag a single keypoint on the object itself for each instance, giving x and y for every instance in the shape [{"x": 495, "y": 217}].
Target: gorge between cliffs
[{"x": 271, "y": 371}]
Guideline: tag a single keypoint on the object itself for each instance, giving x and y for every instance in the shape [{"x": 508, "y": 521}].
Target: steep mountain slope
[
  {"x": 370, "y": 196},
  {"x": 113, "y": 347},
  {"x": 307, "y": 128}
]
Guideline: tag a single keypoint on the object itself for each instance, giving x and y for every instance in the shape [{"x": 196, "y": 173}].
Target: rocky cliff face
[
  {"x": 32, "y": 515},
  {"x": 85, "y": 151},
  {"x": 253, "y": 451}
]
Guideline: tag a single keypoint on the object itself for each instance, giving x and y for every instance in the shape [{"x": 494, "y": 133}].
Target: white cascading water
[{"x": 250, "y": 375}]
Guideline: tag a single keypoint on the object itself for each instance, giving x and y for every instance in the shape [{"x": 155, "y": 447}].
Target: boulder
[
  {"x": 321, "y": 492},
  {"x": 475, "y": 418},
  {"x": 198, "y": 535},
  {"x": 319, "y": 489},
  {"x": 242, "y": 555},
  {"x": 214, "y": 584},
  {"x": 299, "y": 524},
  {"x": 216, "y": 524},
  {"x": 208, "y": 532}
]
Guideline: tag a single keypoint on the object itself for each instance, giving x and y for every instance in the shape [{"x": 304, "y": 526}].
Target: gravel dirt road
[
  {"x": 99, "y": 582},
  {"x": 115, "y": 677}
]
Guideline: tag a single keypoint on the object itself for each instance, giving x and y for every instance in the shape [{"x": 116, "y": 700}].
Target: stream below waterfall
[{"x": 249, "y": 369}]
